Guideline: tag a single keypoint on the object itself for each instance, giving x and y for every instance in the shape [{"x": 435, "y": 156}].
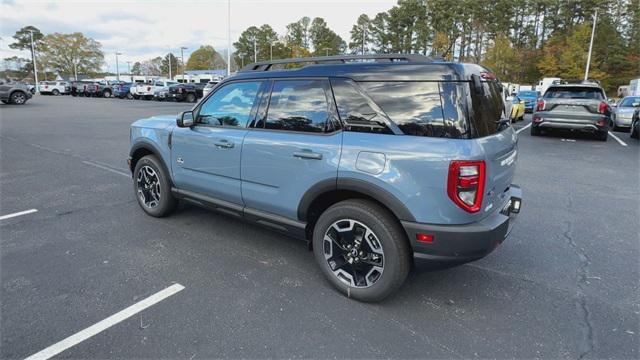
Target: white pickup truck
[
  {"x": 54, "y": 87},
  {"x": 146, "y": 91}
]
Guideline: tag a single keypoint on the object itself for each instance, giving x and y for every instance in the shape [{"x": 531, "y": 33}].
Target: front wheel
[
  {"x": 152, "y": 187},
  {"x": 106, "y": 94},
  {"x": 191, "y": 98},
  {"x": 55, "y": 92},
  {"x": 361, "y": 249},
  {"x": 18, "y": 98}
]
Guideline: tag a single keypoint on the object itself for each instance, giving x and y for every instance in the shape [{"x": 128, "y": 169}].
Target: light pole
[
  {"x": 33, "y": 59},
  {"x": 129, "y": 68},
  {"x": 327, "y": 51},
  {"x": 75, "y": 70},
  {"x": 593, "y": 31},
  {"x": 255, "y": 49},
  {"x": 182, "y": 49},
  {"x": 271, "y": 51},
  {"x": 228, "y": 37},
  {"x": 364, "y": 35},
  {"x": 117, "y": 67},
  {"x": 241, "y": 60}
]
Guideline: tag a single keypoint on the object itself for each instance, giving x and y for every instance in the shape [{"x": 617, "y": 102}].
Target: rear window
[
  {"x": 417, "y": 107},
  {"x": 488, "y": 109},
  {"x": 528, "y": 93},
  {"x": 574, "y": 92}
]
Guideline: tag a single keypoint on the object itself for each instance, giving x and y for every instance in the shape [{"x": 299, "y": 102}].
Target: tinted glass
[
  {"x": 488, "y": 109},
  {"x": 415, "y": 107},
  {"x": 230, "y": 106},
  {"x": 528, "y": 94},
  {"x": 355, "y": 109},
  {"x": 298, "y": 105},
  {"x": 629, "y": 101},
  {"x": 454, "y": 96},
  {"x": 574, "y": 92}
]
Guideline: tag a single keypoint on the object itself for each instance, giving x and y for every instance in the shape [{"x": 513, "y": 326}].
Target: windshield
[
  {"x": 528, "y": 94},
  {"x": 574, "y": 92},
  {"x": 629, "y": 101}
]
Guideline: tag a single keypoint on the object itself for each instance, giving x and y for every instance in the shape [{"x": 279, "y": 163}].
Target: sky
[{"x": 142, "y": 30}]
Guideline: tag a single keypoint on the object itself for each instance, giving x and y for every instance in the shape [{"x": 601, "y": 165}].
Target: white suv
[{"x": 54, "y": 87}]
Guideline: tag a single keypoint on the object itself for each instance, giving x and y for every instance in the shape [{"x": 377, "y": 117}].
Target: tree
[
  {"x": 137, "y": 68},
  {"x": 361, "y": 35},
  {"x": 170, "y": 59},
  {"x": 66, "y": 52},
  {"x": 324, "y": 40},
  {"x": 23, "y": 42},
  {"x": 502, "y": 58},
  {"x": 298, "y": 33},
  {"x": 206, "y": 57}
]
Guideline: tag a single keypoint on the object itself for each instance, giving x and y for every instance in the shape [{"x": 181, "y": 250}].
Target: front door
[{"x": 206, "y": 157}]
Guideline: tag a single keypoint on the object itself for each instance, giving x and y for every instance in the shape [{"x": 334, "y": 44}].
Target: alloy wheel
[
  {"x": 354, "y": 253},
  {"x": 18, "y": 98},
  {"x": 148, "y": 185}
]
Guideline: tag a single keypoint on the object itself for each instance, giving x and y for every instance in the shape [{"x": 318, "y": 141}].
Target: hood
[{"x": 157, "y": 122}]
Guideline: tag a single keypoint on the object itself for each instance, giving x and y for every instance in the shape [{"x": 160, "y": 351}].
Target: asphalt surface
[{"x": 565, "y": 284}]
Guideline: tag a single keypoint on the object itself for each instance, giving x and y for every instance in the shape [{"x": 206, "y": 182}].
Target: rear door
[
  {"x": 295, "y": 143},
  {"x": 497, "y": 139}
]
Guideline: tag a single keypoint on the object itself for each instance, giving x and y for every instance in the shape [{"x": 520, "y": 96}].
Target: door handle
[
  {"x": 308, "y": 154},
  {"x": 223, "y": 144}
]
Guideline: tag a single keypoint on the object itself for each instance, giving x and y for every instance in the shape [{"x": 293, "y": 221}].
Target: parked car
[
  {"x": 635, "y": 124},
  {"x": 14, "y": 93},
  {"x": 576, "y": 107},
  {"x": 122, "y": 90},
  {"x": 101, "y": 88},
  {"x": 623, "y": 112},
  {"x": 54, "y": 87},
  {"x": 517, "y": 109},
  {"x": 530, "y": 97},
  {"x": 146, "y": 91},
  {"x": 79, "y": 88},
  {"x": 353, "y": 158},
  {"x": 207, "y": 89},
  {"x": 183, "y": 92}
]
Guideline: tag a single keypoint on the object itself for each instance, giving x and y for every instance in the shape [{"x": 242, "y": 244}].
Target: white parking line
[
  {"x": 618, "y": 139},
  {"x": 522, "y": 129},
  {"x": 97, "y": 328},
  {"x": 106, "y": 168},
  {"x": 9, "y": 216}
]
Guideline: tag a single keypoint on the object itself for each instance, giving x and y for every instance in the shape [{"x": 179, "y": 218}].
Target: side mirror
[{"x": 185, "y": 119}]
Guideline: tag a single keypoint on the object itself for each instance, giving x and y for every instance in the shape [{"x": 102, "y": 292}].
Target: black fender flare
[
  {"x": 148, "y": 145},
  {"x": 375, "y": 192}
]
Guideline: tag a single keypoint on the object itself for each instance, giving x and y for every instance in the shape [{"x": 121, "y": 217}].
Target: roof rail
[{"x": 336, "y": 59}]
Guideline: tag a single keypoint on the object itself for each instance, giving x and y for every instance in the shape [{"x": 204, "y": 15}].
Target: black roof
[{"x": 393, "y": 67}]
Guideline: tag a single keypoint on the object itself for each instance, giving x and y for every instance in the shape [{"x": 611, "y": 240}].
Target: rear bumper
[{"x": 465, "y": 242}]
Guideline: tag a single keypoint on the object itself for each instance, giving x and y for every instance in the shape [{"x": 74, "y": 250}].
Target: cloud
[{"x": 143, "y": 29}]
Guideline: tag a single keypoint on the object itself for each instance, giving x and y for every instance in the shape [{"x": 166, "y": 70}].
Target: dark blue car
[
  {"x": 122, "y": 91},
  {"x": 530, "y": 98}
]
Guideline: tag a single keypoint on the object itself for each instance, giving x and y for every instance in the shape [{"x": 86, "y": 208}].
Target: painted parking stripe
[
  {"x": 524, "y": 128},
  {"x": 9, "y": 216},
  {"x": 618, "y": 139},
  {"x": 97, "y": 328},
  {"x": 106, "y": 168}
]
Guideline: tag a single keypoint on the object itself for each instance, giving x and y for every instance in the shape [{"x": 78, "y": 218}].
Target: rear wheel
[
  {"x": 106, "y": 93},
  {"x": 535, "y": 131},
  {"x": 55, "y": 92},
  {"x": 602, "y": 136},
  {"x": 361, "y": 249},
  {"x": 191, "y": 98},
  {"x": 152, "y": 187}
]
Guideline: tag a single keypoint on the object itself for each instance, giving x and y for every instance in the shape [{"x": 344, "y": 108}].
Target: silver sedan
[{"x": 623, "y": 112}]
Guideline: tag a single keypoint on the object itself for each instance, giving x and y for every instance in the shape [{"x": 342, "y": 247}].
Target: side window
[
  {"x": 229, "y": 106},
  {"x": 355, "y": 110},
  {"x": 416, "y": 107},
  {"x": 298, "y": 105}
]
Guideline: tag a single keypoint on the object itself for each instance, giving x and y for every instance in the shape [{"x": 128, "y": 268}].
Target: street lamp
[
  {"x": 117, "y": 67},
  {"x": 169, "y": 56},
  {"x": 33, "y": 59},
  {"x": 593, "y": 31},
  {"x": 271, "y": 51},
  {"x": 241, "y": 60},
  {"x": 327, "y": 51},
  {"x": 228, "y": 38},
  {"x": 255, "y": 49},
  {"x": 182, "y": 48},
  {"x": 129, "y": 68}
]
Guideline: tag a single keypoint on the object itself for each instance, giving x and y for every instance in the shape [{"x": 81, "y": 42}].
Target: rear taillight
[
  {"x": 603, "y": 108},
  {"x": 465, "y": 185},
  {"x": 540, "y": 105},
  {"x": 536, "y": 119}
]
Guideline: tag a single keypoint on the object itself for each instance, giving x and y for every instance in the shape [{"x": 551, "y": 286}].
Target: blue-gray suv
[{"x": 374, "y": 160}]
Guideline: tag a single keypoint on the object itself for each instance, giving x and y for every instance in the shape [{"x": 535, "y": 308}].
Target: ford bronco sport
[{"x": 375, "y": 160}]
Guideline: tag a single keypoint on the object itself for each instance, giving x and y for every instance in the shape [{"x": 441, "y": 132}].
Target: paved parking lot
[{"x": 564, "y": 285}]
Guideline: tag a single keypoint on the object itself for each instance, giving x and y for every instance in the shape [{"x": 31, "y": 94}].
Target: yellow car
[{"x": 517, "y": 109}]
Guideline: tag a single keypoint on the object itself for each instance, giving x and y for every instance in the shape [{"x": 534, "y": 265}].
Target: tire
[
  {"x": 55, "y": 92},
  {"x": 602, "y": 136},
  {"x": 356, "y": 216},
  {"x": 191, "y": 98},
  {"x": 129, "y": 96},
  {"x": 157, "y": 199},
  {"x": 521, "y": 118},
  {"x": 18, "y": 98},
  {"x": 106, "y": 93},
  {"x": 535, "y": 131},
  {"x": 634, "y": 134}
]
